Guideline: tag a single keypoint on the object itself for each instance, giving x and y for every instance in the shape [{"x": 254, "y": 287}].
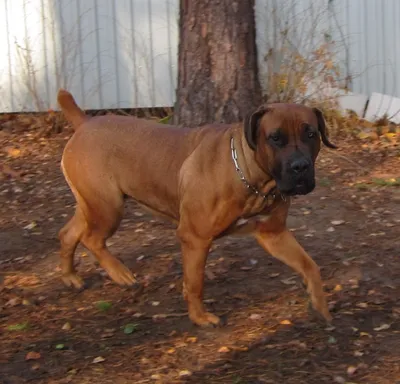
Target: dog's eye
[
  {"x": 311, "y": 135},
  {"x": 275, "y": 137}
]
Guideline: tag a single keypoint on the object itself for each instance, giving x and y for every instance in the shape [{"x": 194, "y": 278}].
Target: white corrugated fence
[{"x": 123, "y": 54}]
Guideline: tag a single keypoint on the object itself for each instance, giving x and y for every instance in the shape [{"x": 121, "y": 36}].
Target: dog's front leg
[
  {"x": 282, "y": 245},
  {"x": 194, "y": 257}
]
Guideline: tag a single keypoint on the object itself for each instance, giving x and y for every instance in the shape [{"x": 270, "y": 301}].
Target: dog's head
[{"x": 286, "y": 141}]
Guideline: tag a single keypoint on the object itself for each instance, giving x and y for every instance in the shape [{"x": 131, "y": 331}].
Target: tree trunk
[{"x": 217, "y": 69}]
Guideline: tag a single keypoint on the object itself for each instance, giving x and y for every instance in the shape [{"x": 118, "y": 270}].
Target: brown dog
[{"x": 211, "y": 181}]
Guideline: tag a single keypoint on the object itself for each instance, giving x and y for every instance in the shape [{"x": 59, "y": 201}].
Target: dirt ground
[{"x": 107, "y": 334}]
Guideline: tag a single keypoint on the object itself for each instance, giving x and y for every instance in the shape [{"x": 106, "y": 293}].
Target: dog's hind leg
[
  {"x": 69, "y": 237},
  {"x": 103, "y": 219},
  {"x": 95, "y": 220}
]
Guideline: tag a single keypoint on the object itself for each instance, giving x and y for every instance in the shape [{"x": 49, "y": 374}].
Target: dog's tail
[{"x": 70, "y": 109}]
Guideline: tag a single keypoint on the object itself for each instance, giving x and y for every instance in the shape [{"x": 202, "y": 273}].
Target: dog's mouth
[{"x": 301, "y": 187}]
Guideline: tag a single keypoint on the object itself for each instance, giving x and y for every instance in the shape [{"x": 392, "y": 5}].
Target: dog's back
[{"x": 131, "y": 156}]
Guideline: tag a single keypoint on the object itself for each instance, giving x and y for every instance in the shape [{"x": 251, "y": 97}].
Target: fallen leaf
[
  {"x": 155, "y": 303},
  {"x": 171, "y": 286},
  {"x": 289, "y": 281},
  {"x": 191, "y": 339},
  {"x": 171, "y": 351},
  {"x": 18, "y": 327},
  {"x": 330, "y": 229},
  {"x": 272, "y": 275},
  {"x": 351, "y": 370},
  {"x": 156, "y": 376},
  {"x": 338, "y": 288},
  {"x": 103, "y": 305},
  {"x": 285, "y": 322},
  {"x": 334, "y": 171},
  {"x": 364, "y": 135},
  {"x": 66, "y": 327},
  {"x": 210, "y": 274},
  {"x": 362, "y": 305},
  {"x": 72, "y": 371},
  {"x": 223, "y": 350},
  {"x": 209, "y": 301},
  {"x": 377, "y": 234},
  {"x": 13, "y": 302},
  {"x": 130, "y": 328},
  {"x": 339, "y": 380},
  {"x": 382, "y": 327},
  {"x": 13, "y": 152},
  {"x": 337, "y": 222},
  {"x": 184, "y": 373},
  {"x": 358, "y": 353},
  {"x": 298, "y": 344},
  {"x": 30, "y": 225},
  {"x": 98, "y": 359},
  {"x": 32, "y": 356},
  {"x": 255, "y": 316},
  {"x": 332, "y": 340},
  {"x": 108, "y": 333},
  {"x": 60, "y": 346}
]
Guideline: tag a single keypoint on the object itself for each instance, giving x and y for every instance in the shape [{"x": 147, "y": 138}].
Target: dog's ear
[
  {"x": 251, "y": 126},
  {"x": 322, "y": 128}
]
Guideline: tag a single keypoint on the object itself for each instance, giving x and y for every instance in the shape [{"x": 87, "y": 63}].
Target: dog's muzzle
[{"x": 298, "y": 178}]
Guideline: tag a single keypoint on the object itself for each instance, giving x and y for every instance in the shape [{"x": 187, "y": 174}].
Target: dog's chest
[
  {"x": 259, "y": 206},
  {"x": 255, "y": 214},
  {"x": 248, "y": 225}
]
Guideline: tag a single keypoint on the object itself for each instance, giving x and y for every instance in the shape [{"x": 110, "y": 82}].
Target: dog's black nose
[{"x": 300, "y": 165}]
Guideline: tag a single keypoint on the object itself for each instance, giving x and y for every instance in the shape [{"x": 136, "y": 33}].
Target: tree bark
[{"x": 217, "y": 66}]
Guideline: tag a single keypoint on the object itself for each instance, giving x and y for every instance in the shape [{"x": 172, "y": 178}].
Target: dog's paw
[
  {"x": 321, "y": 314},
  {"x": 206, "y": 319},
  {"x": 120, "y": 274},
  {"x": 72, "y": 280}
]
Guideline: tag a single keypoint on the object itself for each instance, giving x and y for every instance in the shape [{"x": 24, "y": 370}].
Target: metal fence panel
[
  {"x": 109, "y": 54},
  {"x": 123, "y": 54}
]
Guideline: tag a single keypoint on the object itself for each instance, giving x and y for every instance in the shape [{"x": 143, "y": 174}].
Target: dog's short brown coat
[{"x": 188, "y": 176}]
